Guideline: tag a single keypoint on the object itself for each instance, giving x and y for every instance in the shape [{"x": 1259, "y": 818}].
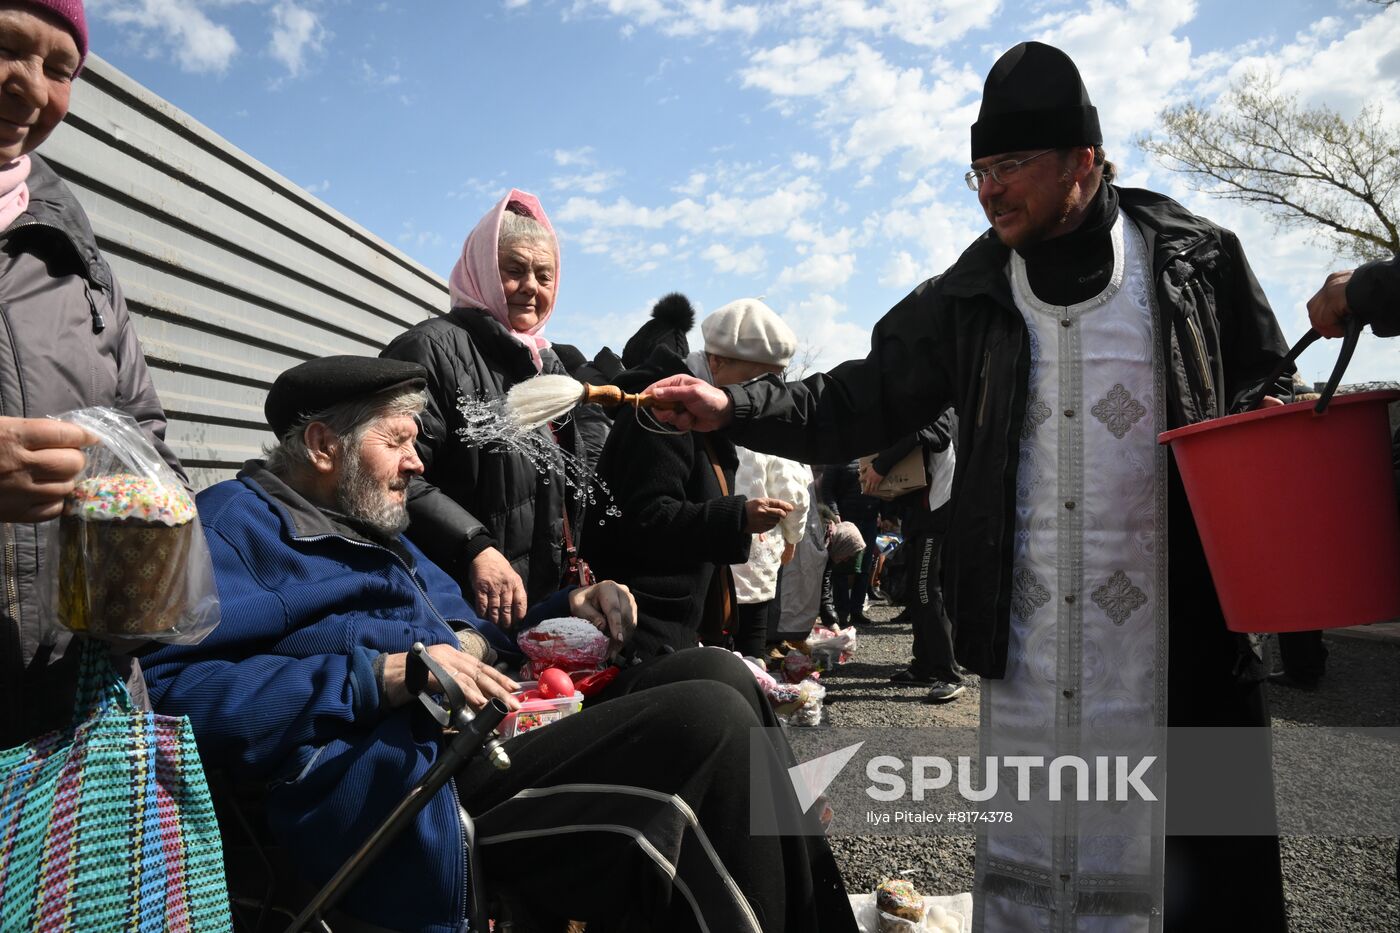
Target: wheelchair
[{"x": 265, "y": 895}]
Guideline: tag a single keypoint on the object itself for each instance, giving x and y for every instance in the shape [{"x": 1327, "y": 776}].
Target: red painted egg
[{"x": 555, "y": 683}]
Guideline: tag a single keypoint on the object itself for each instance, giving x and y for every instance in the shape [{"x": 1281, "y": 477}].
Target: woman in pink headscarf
[{"x": 488, "y": 516}]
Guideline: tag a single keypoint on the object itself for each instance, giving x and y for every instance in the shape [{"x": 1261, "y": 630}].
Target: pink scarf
[
  {"x": 476, "y": 278},
  {"x": 14, "y": 193}
]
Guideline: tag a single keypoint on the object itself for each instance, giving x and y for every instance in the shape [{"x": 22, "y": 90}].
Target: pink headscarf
[{"x": 476, "y": 278}]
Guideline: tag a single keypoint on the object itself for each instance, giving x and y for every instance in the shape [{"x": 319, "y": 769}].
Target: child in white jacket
[{"x": 756, "y": 583}]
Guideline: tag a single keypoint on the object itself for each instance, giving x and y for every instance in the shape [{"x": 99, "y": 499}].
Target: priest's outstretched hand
[{"x": 693, "y": 404}]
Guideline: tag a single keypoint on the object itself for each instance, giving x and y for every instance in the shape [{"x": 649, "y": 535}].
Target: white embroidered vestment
[{"x": 1087, "y": 655}]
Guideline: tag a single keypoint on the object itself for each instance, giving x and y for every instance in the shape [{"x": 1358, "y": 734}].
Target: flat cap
[{"x": 314, "y": 386}]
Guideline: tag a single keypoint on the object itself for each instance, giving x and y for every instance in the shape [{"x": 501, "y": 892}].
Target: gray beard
[{"x": 359, "y": 496}]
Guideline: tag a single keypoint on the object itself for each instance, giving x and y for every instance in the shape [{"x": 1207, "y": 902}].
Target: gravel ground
[{"x": 1331, "y": 884}]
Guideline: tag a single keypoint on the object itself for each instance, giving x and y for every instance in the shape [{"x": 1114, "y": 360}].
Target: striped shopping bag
[{"x": 108, "y": 825}]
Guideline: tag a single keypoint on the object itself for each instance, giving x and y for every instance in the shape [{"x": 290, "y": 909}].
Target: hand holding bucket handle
[{"x": 1353, "y": 334}]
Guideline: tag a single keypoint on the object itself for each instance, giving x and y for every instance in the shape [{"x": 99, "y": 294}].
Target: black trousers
[
  {"x": 933, "y": 630},
  {"x": 1304, "y": 655},
  {"x": 754, "y": 621},
  {"x": 634, "y": 814}
]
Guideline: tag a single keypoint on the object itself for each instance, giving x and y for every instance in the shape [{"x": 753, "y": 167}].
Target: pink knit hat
[{"x": 71, "y": 12}]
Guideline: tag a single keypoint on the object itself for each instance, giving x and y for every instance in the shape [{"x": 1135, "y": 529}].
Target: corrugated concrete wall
[{"x": 232, "y": 273}]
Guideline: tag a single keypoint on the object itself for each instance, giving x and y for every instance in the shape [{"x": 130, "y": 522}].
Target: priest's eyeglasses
[{"x": 1002, "y": 172}]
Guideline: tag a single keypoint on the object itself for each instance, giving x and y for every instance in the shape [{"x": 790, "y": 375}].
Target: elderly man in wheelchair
[{"x": 632, "y": 814}]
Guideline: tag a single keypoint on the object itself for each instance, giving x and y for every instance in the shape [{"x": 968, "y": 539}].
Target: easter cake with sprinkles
[{"x": 125, "y": 541}]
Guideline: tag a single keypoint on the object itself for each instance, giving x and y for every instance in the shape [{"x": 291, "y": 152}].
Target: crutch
[{"x": 474, "y": 731}]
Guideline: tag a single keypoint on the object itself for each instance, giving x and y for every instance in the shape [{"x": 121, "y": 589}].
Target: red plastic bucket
[{"x": 1297, "y": 512}]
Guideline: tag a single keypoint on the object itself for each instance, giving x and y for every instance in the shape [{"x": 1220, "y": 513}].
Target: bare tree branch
[
  {"x": 1307, "y": 166},
  {"x": 802, "y": 361}
]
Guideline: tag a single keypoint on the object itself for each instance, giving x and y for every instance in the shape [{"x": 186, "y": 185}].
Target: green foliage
[{"x": 1308, "y": 166}]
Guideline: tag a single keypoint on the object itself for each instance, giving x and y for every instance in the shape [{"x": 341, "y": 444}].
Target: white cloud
[
  {"x": 587, "y": 182},
  {"x": 924, "y": 23},
  {"x": 1129, "y": 57},
  {"x": 927, "y": 23},
  {"x": 679, "y": 17},
  {"x": 412, "y": 237},
  {"x": 817, "y": 322},
  {"x": 820, "y": 270},
  {"x": 174, "y": 26},
  {"x": 481, "y": 189},
  {"x": 728, "y": 262},
  {"x": 317, "y": 187},
  {"x": 931, "y": 232},
  {"x": 693, "y": 186},
  {"x": 1343, "y": 69},
  {"x": 801, "y": 68},
  {"x": 567, "y": 157},
  {"x": 722, "y": 214},
  {"x": 296, "y": 33},
  {"x": 384, "y": 78},
  {"x": 869, "y": 106},
  {"x": 902, "y": 271}
]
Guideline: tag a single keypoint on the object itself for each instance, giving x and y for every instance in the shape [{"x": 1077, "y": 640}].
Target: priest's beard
[
  {"x": 1067, "y": 206},
  {"x": 1050, "y": 224},
  {"x": 365, "y": 498}
]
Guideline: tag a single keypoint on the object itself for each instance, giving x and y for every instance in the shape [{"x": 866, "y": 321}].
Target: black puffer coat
[
  {"x": 675, "y": 525},
  {"x": 472, "y": 498}
]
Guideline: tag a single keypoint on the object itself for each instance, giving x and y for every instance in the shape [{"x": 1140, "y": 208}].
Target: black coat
[
  {"x": 1373, "y": 294},
  {"x": 958, "y": 339},
  {"x": 472, "y": 498},
  {"x": 840, "y": 489},
  {"x": 675, "y": 526},
  {"x": 934, "y": 437}
]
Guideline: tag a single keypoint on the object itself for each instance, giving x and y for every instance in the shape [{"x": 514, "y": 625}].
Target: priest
[{"x": 1085, "y": 321}]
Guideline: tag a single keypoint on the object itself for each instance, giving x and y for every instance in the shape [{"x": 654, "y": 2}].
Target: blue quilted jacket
[{"x": 283, "y": 691}]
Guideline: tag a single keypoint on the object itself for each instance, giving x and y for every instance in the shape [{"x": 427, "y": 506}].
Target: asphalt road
[{"x": 1342, "y": 884}]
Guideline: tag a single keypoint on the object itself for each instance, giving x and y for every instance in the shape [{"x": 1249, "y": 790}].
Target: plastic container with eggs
[
  {"x": 542, "y": 702},
  {"x": 556, "y": 649}
]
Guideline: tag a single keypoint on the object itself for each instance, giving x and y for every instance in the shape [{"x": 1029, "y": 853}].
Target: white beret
[{"x": 748, "y": 329}]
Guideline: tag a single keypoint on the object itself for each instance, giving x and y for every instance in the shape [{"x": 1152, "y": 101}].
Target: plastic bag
[
  {"x": 132, "y": 560},
  {"x": 830, "y": 648},
  {"x": 795, "y": 704},
  {"x": 567, "y": 643},
  {"x": 798, "y": 704},
  {"x": 797, "y": 666}
]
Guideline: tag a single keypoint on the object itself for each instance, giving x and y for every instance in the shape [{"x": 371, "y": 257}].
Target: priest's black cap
[
  {"x": 1034, "y": 99},
  {"x": 314, "y": 386}
]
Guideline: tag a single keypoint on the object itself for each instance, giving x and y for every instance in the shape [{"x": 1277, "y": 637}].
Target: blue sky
[{"x": 807, "y": 151}]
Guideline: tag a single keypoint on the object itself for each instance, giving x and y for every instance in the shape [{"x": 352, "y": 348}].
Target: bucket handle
[{"x": 1353, "y": 334}]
